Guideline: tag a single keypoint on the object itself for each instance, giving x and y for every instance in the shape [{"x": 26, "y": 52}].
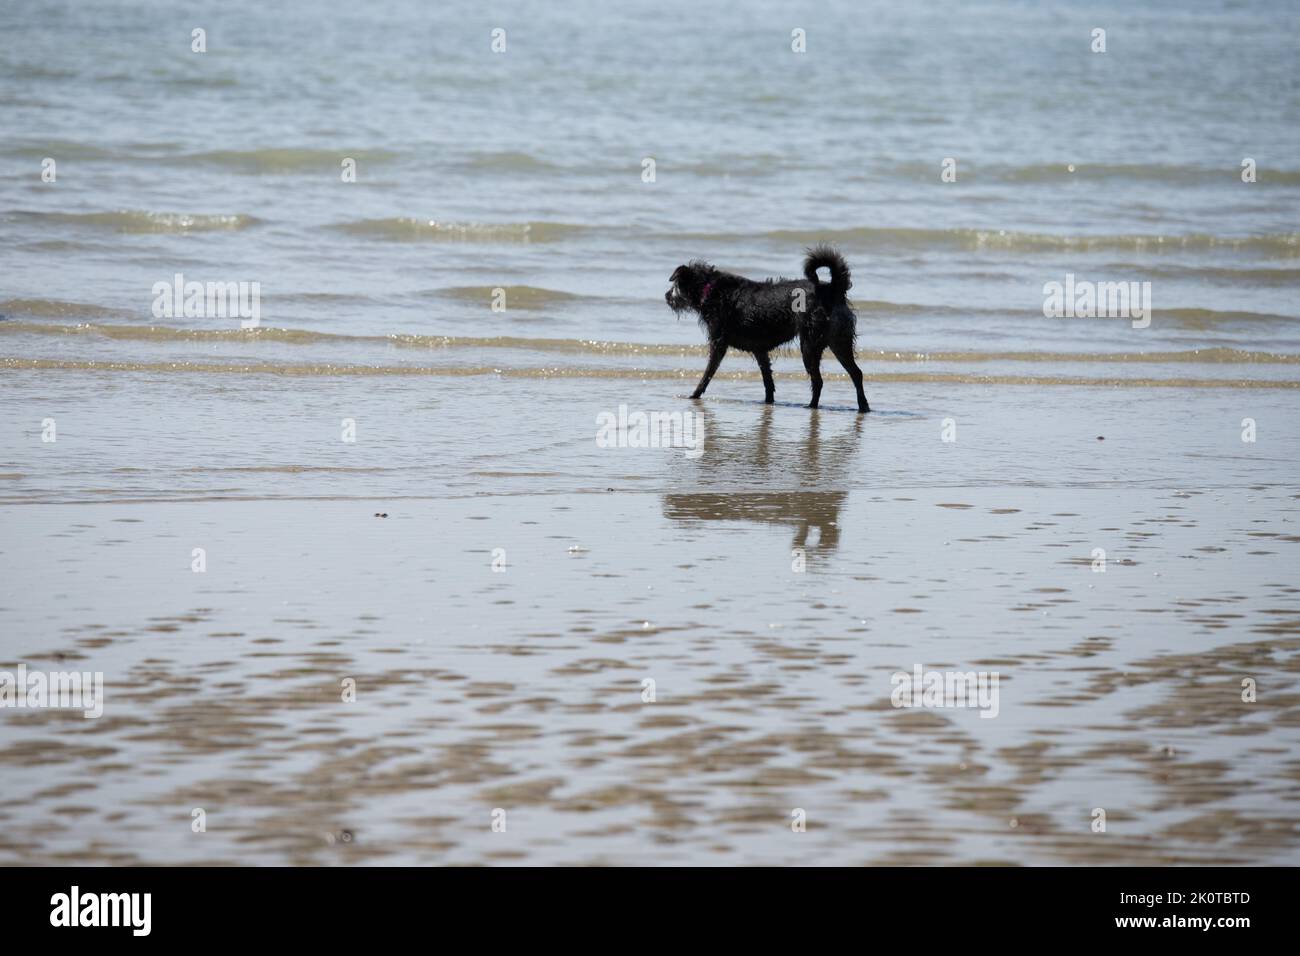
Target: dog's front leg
[
  {"x": 769, "y": 386},
  {"x": 716, "y": 351}
]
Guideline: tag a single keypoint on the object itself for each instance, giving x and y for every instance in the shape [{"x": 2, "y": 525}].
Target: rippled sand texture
[{"x": 522, "y": 689}]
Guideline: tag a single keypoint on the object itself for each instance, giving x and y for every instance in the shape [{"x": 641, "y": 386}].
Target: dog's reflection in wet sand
[{"x": 754, "y": 476}]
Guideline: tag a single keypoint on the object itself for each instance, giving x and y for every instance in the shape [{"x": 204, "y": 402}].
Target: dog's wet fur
[{"x": 757, "y": 317}]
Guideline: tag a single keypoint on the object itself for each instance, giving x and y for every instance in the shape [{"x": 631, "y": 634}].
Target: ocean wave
[
  {"x": 738, "y": 166},
  {"x": 320, "y": 298},
  {"x": 1214, "y": 274},
  {"x": 516, "y": 296},
  {"x": 156, "y": 333},
  {"x": 55, "y": 309},
  {"x": 686, "y": 376},
  {"x": 283, "y": 159},
  {"x": 285, "y": 469},
  {"x": 160, "y": 333},
  {"x": 407, "y": 229},
  {"x": 1282, "y": 245},
  {"x": 140, "y": 221},
  {"x": 510, "y": 161},
  {"x": 1136, "y": 172},
  {"x": 1063, "y": 172},
  {"x": 63, "y": 246},
  {"x": 881, "y": 307},
  {"x": 63, "y": 149},
  {"x": 274, "y": 159},
  {"x": 1212, "y": 318}
]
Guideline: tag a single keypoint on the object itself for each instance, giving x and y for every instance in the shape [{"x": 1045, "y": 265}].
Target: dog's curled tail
[{"x": 819, "y": 256}]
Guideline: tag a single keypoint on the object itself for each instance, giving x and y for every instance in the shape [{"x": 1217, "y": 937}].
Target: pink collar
[{"x": 708, "y": 287}]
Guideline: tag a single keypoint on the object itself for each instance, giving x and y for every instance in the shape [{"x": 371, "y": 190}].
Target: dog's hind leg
[
  {"x": 812, "y": 363},
  {"x": 842, "y": 346},
  {"x": 716, "y": 351},
  {"x": 769, "y": 386}
]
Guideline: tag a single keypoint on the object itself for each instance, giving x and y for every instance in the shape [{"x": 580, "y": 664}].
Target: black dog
[{"x": 759, "y": 316}]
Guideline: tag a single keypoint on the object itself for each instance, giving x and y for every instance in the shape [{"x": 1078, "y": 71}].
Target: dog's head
[{"x": 691, "y": 285}]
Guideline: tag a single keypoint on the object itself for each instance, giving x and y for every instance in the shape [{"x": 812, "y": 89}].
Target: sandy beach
[{"x": 521, "y": 689}]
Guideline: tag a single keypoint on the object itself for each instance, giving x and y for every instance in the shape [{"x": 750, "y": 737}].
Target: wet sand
[{"x": 522, "y": 689}]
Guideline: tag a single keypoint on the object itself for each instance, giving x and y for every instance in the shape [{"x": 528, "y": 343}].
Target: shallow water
[
  {"x": 772, "y": 578},
  {"x": 522, "y": 170}
]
